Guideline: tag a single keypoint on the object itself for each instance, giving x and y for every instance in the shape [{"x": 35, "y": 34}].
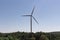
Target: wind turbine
[{"x": 31, "y": 16}]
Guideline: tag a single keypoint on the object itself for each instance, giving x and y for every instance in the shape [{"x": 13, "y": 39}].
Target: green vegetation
[{"x": 30, "y": 36}]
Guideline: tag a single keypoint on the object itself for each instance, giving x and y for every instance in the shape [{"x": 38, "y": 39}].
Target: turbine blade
[
  {"x": 32, "y": 10},
  {"x": 35, "y": 20},
  {"x": 26, "y": 15}
]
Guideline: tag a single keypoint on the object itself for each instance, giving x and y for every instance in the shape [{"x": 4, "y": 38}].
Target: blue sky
[{"x": 47, "y": 13}]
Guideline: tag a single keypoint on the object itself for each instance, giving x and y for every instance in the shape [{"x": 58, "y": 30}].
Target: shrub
[{"x": 43, "y": 37}]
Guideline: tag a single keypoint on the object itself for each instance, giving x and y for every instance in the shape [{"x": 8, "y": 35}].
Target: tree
[{"x": 43, "y": 37}]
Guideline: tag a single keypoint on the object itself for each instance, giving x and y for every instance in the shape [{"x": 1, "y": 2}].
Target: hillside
[{"x": 25, "y": 35}]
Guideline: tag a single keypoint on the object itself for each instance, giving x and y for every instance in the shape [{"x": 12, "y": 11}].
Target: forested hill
[
  {"x": 24, "y": 35},
  {"x": 57, "y": 32}
]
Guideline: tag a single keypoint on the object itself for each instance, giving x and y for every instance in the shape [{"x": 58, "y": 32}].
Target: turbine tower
[{"x": 31, "y": 16}]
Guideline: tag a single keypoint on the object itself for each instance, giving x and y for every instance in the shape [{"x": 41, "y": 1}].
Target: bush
[
  {"x": 43, "y": 37},
  {"x": 33, "y": 38}
]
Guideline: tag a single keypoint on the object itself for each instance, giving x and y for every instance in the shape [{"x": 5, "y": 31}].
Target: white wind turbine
[{"x": 31, "y": 17}]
